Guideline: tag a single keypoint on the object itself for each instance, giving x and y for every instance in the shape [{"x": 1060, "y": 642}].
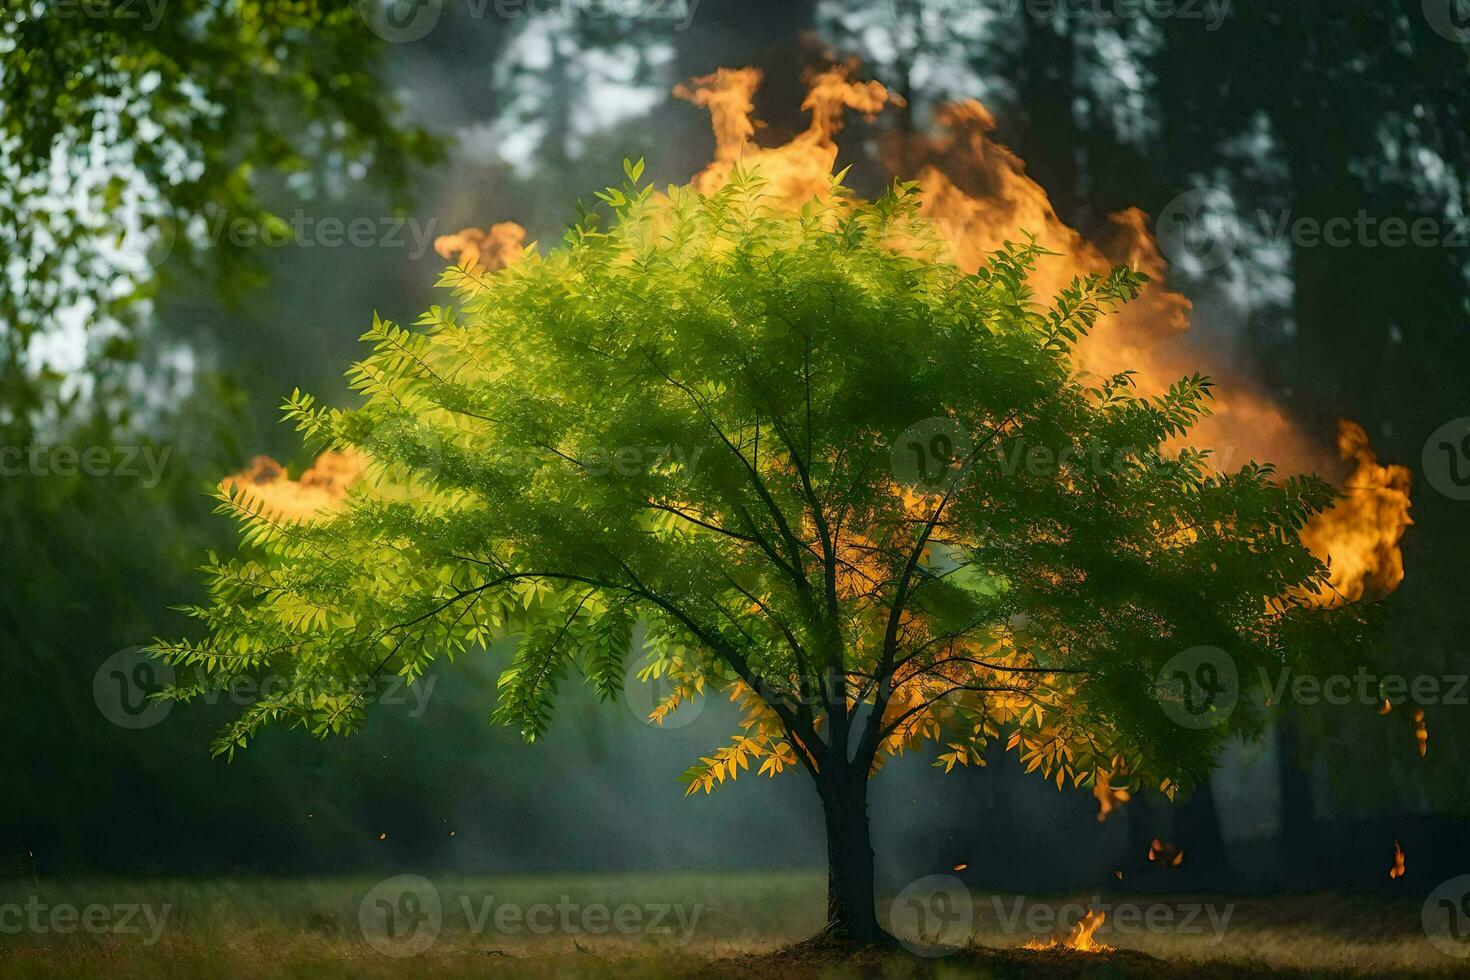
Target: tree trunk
[{"x": 851, "y": 914}]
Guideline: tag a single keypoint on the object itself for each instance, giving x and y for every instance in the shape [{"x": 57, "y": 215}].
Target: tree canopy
[{"x": 831, "y": 474}]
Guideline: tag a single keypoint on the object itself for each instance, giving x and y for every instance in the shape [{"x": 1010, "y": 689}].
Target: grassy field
[{"x": 651, "y": 926}]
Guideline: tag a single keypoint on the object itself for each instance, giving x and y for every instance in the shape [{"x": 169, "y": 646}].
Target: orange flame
[
  {"x": 797, "y": 170},
  {"x": 1360, "y": 536},
  {"x": 979, "y": 195},
  {"x": 1167, "y": 854},
  {"x": 502, "y": 244},
  {"x": 1397, "y": 871},
  {"x": 1080, "y": 936},
  {"x": 1421, "y": 732},
  {"x": 265, "y": 483},
  {"x": 1109, "y": 799}
]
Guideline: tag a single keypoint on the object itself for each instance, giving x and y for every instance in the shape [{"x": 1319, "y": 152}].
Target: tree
[
  {"x": 856, "y": 489},
  {"x": 131, "y": 132}
]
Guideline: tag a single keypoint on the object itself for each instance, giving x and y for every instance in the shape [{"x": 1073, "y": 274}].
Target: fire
[
  {"x": 1166, "y": 854},
  {"x": 502, "y": 244},
  {"x": 265, "y": 484},
  {"x": 1421, "y": 732},
  {"x": 978, "y": 194},
  {"x": 1109, "y": 799},
  {"x": 1397, "y": 871},
  {"x": 1080, "y": 936},
  {"x": 1361, "y": 534},
  {"x": 798, "y": 171}
]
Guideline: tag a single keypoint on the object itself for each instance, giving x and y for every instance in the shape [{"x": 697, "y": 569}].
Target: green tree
[{"x": 862, "y": 492}]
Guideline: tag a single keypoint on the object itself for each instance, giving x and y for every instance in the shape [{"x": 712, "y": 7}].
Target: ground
[{"x": 738, "y": 925}]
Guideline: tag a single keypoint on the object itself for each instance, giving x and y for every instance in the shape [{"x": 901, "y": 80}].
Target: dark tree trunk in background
[
  {"x": 1301, "y": 859},
  {"x": 1197, "y": 830},
  {"x": 851, "y": 912},
  {"x": 764, "y": 34},
  {"x": 1049, "y": 141}
]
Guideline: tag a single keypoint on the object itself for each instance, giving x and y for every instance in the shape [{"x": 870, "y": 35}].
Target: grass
[{"x": 736, "y": 925}]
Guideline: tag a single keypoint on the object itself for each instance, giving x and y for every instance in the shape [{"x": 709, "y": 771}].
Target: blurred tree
[
  {"x": 130, "y": 134},
  {"x": 131, "y": 130}
]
